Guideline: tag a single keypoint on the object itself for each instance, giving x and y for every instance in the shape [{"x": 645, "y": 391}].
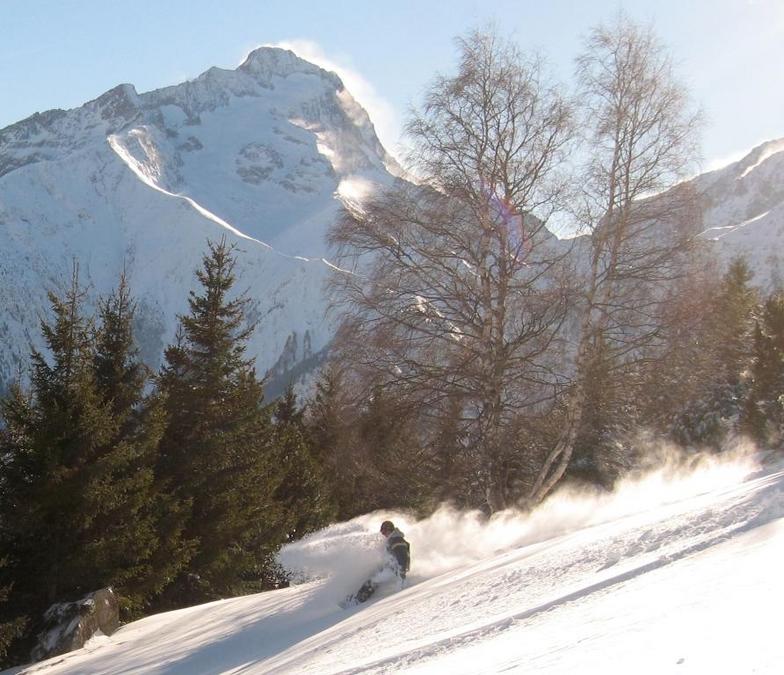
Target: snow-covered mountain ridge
[
  {"x": 743, "y": 211},
  {"x": 263, "y": 154}
]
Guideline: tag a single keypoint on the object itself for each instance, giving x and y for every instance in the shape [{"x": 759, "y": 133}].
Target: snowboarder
[
  {"x": 397, "y": 547},
  {"x": 396, "y": 565}
]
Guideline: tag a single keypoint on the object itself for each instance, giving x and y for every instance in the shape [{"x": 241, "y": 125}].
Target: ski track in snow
[{"x": 512, "y": 610}]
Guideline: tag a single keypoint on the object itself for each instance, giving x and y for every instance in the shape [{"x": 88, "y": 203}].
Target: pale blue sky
[{"x": 61, "y": 53}]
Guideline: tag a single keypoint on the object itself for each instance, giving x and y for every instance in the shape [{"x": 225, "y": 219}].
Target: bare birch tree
[
  {"x": 457, "y": 292},
  {"x": 640, "y": 142}
]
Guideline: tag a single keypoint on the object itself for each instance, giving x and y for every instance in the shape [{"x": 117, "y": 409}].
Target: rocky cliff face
[{"x": 263, "y": 155}]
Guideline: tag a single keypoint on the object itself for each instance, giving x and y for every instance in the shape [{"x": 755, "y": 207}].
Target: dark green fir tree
[
  {"x": 600, "y": 454},
  {"x": 304, "y": 493},
  {"x": 764, "y": 411},
  {"x": 216, "y": 453},
  {"x": 727, "y": 351},
  {"x": 145, "y": 524},
  {"x": 332, "y": 438},
  {"x": 76, "y": 474}
]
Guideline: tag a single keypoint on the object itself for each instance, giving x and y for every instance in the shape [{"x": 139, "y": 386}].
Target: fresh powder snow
[{"x": 678, "y": 571}]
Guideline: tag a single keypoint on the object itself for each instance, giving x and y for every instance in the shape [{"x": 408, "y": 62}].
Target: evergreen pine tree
[
  {"x": 303, "y": 493},
  {"x": 14, "y": 617},
  {"x": 10, "y": 628},
  {"x": 601, "y": 454},
  {"x": 77, "y": 476},
  {"x": 672, "y": 383},
  {"x": 733, "y": 322},
  {"x": 144, "y": 522},
  {"x": 764, "y": 410},
  {"x": 216, "y": 450},
  {"x": 449, "y": 469},
  {"x": 332, "y": 440},
  {"x": 56, "y": 436},
  {"x": 389, "y": 454},
  {"x": 119, "y": 373},
  {"x": 727, "y": 347}
]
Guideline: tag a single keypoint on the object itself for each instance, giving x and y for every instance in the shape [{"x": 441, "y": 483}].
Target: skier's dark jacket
[{"x": 400, "y": 550}]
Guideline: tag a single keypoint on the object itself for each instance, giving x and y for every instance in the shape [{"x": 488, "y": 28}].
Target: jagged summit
[
  {"x": 212, "y": 88},
  {"x": 316, "y": 100},
  {"x": 740, "y": 168},
  {"x": 743, "y": 211},
  {"x": 754, "y": 171},
  {"x": 763, "y": 150},
  {"x": 266, "y": 62},
  {"x": 120, "y": 102}
]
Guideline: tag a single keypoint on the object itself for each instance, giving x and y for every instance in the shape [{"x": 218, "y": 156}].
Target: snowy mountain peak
[
  {"x": 264, "y": 154},
  {"x": 120, "y": 103},
  {"x": 266, "y": 62},
  {"x": 743, "y": 210},
  {"x": 759, "y": 155}
]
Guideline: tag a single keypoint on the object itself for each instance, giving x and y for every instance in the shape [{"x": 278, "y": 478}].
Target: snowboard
[
  {"x": 363, "y": 594},
  {"x": 385, "y": 579}
]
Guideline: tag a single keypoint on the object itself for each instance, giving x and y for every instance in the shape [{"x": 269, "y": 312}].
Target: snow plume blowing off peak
[{"x": 343, "y": 555}]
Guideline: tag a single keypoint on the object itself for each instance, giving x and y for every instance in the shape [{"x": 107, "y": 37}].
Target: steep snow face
[
  {"x": 258, "y": 154},
  {"x": 676, "y": 572},
  {"x": 744, "y": 211}
]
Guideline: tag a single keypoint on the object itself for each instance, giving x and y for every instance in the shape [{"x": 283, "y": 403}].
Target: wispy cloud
[
  {"x": 725, "y": 160},
  {"x": 383, "y": 114}
]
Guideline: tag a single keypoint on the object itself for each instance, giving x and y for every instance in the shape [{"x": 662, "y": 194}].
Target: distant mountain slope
[
  {"x": 263, "y": 154},
  {"x": 744, "y": 211}
]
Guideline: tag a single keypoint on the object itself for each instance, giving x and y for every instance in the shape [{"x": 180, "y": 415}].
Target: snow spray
[{"x": 345, "y": 554}]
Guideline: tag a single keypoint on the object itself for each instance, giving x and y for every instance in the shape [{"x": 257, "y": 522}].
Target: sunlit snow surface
[{"x": 676, "y": 573}]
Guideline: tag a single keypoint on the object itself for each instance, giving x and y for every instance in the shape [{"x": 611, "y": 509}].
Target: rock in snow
[{"x": 70, "y": 625}]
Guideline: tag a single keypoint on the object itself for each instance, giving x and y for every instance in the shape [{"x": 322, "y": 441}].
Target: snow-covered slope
[
  {"x": 262, "y": 154},
  {"x": 744, "y": 211},
  {"x": 675, "y": 573}
]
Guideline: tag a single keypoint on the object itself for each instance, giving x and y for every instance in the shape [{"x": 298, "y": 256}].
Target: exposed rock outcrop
[{"x": 69, "y": 625}]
